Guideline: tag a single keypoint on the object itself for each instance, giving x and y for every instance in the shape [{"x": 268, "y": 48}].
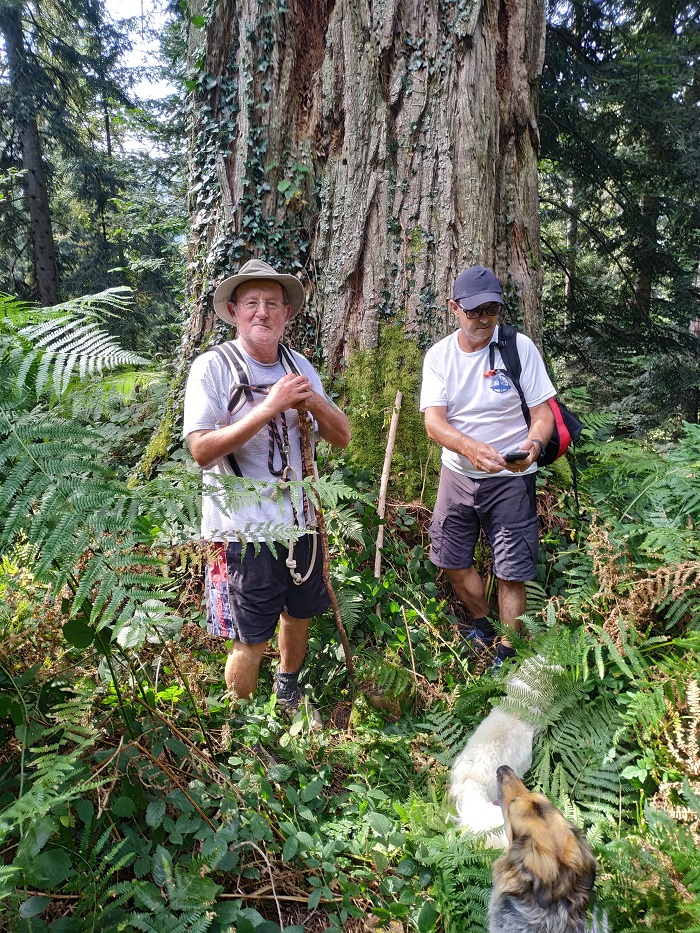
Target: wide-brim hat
[{"x": 252, "y": 270}]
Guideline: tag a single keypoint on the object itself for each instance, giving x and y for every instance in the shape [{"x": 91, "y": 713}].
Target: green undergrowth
[
  {"x": 371, "y": 382},
  {"x": 135, "y": 796}
]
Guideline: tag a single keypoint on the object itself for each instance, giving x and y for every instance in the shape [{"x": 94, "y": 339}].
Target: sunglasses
[{"x": 473, "y": 313}]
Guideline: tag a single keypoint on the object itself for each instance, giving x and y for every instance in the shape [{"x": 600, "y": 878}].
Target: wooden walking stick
[
  {"x": 308, "y": 470},
  {"x": 383, "y": 485}
]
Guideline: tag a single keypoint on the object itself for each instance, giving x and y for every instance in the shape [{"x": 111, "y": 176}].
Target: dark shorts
[
  {"x": 245, "y": 597},
  {"x": 505, "y": 507}
]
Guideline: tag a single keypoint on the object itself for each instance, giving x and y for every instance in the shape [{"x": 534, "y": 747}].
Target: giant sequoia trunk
[{"x": 376, "y": 148}]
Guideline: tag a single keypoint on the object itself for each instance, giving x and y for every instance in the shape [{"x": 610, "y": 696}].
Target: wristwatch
[{"x": 536, "y": 440}]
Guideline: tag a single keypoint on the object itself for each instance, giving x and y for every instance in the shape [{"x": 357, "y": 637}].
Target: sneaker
[
  {"x": 477, "y": 639},
  {"x": 503, "y": 653},
  {"x": 292, "y": 706}
]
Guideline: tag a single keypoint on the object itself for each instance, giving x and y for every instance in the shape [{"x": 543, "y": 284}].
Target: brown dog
[{"x": 544, "y": 880}]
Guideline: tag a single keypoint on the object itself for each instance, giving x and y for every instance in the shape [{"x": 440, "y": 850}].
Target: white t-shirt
[
  {"x": 209, "y": 387},
  {"x": 486, "y": 408}
]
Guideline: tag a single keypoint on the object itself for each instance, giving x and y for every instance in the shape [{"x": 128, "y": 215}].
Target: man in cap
[
  {"x": 242, "y": 407},
  {"x": 474, "y": 412}
]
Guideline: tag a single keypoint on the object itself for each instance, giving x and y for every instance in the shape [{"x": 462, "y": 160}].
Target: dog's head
[{"x": 548, "y": 860}]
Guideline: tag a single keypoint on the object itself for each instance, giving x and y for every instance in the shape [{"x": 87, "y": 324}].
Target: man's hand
[
  {"x": 487, "y": 458},
  {"x": 291, "y": 391},
  {"x": 519, "y": 466},
  {"x": 297, "y": 392}
]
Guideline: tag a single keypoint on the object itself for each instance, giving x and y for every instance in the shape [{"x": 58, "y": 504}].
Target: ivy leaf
[
  {"x": 312, "y": 790},
  {"x": 280, "y": 773},
  {"x": 162, "y": 866},
  {"x": 314, "y": 898},
  {"x": 243, "y": 925},
  {"x": 198, "y": 21},
  {"x": 54, "y": 866},
  {"x": 381, "y": 824},
  {"x": 123, "y": 806},
  {"x": 9, "y": 707},
  {"x": 78, "y": 634},
  {"x": 85, "y": 810},
  {"x": 291, "y": 847},
  {"x": 283, "y": 185}
]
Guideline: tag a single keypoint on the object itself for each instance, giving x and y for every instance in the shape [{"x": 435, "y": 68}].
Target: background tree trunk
[
  {"x": 34, "y": 180},
  {"x": 374, "y": 148}
]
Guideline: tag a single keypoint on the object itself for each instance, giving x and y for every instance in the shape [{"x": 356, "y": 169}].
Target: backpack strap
[
  {"x": 287, "y": 359},
  {"x": 508, "y": 347},
  {"x": 243, "y": 390},
  {"x": 235, "y": 362}
]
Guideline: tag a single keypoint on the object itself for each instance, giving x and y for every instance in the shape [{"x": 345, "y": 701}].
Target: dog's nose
[{"x": 505, "y": 771}]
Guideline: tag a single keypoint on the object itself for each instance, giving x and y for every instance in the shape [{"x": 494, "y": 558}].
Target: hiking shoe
[
  {"x": 503, "y": 654},
  {"x": 292, "y": 706},
  {"x": 477, "y": 639},
  {"x": 475, "y": 643}
]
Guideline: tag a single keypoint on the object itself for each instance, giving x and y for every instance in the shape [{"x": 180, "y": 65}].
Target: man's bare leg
[
  {"x": 470, "y": 590},
  {"x": 242, "y": 668},
  {"x": 512, "y": 602},
  {"x": 293, "y": 639}
]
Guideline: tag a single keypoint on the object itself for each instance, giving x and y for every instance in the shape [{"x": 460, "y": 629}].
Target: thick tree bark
[
  {"x": 376, "y": 148},
  {"x": 32, "y": 162}
]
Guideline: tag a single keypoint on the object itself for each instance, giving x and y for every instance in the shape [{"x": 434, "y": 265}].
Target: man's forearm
[
  {"x": 333, "y": 424},
  {"x": 446, "y": 436},
  {"x": 210, "y": 445},
  {"x": 541, "y": 423}
]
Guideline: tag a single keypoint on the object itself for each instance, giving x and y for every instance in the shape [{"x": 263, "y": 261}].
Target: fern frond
[
  {"x": 351, "y": 605},
  {"x": 448, "y": 735},
  {"x": 462, "y": 882},
  {"x": 389, "y": 677},
  {"x": 49, "y": 345}
]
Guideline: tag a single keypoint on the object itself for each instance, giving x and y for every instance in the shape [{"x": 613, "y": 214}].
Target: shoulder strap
[
  {"x": 508, "y": 347},
  {"x": 231, "y": 356},
  {"x": 236, "y": 363},
  {"x": 287, "y": 359}
]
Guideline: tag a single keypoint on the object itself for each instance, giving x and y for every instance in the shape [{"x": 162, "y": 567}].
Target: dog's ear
[
  {"x": 588, "y": 878},
  {"x": 581, "y": 860},
  {"x": 576, "y": 879}
]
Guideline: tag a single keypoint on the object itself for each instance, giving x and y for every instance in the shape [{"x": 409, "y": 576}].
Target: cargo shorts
[
  {"x": 246, "y": 592},
  {"x": 504, "y": 506}
]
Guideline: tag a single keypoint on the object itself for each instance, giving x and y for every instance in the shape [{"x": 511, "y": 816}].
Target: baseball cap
[{"x": 476, "y": 286}]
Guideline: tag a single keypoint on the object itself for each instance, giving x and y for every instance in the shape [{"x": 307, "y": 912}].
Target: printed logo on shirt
[{"x": 500, "y": 383}]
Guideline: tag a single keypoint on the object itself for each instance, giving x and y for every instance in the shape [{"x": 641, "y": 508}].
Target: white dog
[{"x": 503, "y": 738}]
